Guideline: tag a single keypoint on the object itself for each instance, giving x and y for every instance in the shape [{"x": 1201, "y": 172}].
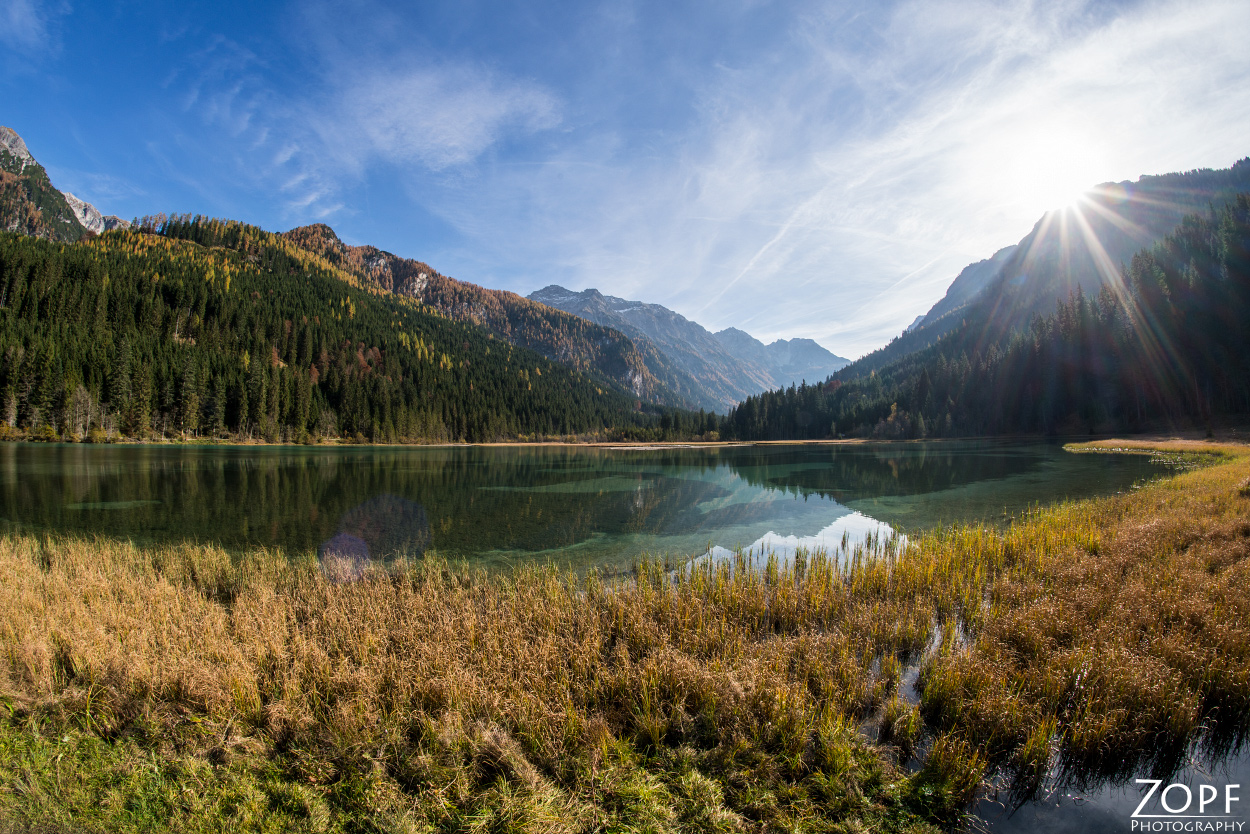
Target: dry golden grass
[
  {"x": 538, "y": 695},
  {"x": 1114, "y": 655},
  {"x": 1104, "y": 635}
]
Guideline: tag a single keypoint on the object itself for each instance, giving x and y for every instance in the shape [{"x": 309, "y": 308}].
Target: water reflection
[
  {"x": 1110, "y": 805},
  {"x": 378, "y": 529},
  {"x": 848, "y": 532},
  {"x": 500, "y": 506}
]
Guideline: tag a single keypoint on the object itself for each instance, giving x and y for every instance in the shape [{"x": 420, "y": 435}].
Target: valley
[{"x": 492, "y": 419}]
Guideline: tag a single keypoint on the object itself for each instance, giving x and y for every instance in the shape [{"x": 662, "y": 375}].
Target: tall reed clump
[
  {"x": 182, "y": 687},
  {"x": 1118, "y": 643}
]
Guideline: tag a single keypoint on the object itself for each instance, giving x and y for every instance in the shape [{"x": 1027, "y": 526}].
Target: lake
[{"x": 578, "y": 506}]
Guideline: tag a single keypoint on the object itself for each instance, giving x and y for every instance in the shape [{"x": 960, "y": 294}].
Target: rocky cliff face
[
  {"x": 29, "y": 204},
  {"x": 11, "y": 142},
  {"x": 89, "y": 217}
]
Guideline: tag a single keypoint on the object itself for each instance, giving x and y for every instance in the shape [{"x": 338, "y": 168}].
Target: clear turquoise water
[{"x": 507, "y": 505}]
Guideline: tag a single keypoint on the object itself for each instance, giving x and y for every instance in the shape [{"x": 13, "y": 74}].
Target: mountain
[
  {"x": 89, "y": 217},
  {"x": 720, "y": 375},
  {"x": 1088, "y": 245},
  {"x": 30, "y": 205},
  {"x": 967, "y": 284},
  {"x": 28, "y": 202},
  {"x": 606, "y": 359},
  {"x": 727, "y": 366},
  {"x": 559, "y": 336},
  {"x": 789, "y": 361},
  {"x": 719, "y": 379},
  {"x": 188, "y": 326},
  {"x": 1083, "y": 246},
  {"x": 1164, "y": 349}
]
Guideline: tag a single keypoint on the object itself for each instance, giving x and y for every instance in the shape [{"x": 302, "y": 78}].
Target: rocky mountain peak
[
  {"x": 89, "y": 217},
  {"x": 62, "y": 217},
  {"x": 318, "y": 229},
  {"x": 11, "y": 142},
  {"x": 724, "y": 367}
]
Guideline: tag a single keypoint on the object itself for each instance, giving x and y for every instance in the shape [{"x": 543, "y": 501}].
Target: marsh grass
[{"x": 181, "y": 688}]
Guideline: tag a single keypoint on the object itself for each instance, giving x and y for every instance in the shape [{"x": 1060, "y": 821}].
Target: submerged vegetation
[{"x": 179, "y": 688}]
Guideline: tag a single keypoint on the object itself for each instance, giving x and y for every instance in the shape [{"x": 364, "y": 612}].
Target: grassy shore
[{"x": 179, "y": 688}]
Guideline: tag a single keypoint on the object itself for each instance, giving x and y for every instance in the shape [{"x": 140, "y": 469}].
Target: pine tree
[{"x": 189, "y": 397}]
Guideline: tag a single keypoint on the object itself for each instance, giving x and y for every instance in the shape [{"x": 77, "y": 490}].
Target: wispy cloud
[
  {"x": 26, "y": 25},
  {"x": 102, "y": 190},
  {"x": 355, "y": 113},
  {"x": 837, "y": 193},
  {"x": 434, "y": 116}
]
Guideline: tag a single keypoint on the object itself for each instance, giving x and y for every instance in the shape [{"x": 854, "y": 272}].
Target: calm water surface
[{"x": 572, "y": 505}]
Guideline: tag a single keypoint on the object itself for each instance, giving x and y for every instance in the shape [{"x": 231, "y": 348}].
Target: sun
[{"x": 1042, "y": 167}]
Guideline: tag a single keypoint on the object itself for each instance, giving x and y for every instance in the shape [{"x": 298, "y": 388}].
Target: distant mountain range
[
  {"x": 722, "y": 368},
  {"x": 31, "y": 205},
  {"x": 790, "y": 361}
]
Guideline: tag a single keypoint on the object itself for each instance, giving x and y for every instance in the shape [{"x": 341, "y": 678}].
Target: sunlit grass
[{"x": 179, "y": 687}]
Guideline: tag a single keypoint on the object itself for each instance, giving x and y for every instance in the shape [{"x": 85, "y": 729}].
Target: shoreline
[{"x": 1196, "y": 439}]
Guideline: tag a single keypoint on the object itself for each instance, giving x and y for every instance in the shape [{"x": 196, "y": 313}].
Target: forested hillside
[
  {"x": 1081, "y": 247},
  {"x": 1163, "y": 345},
  {"x": 557, "y": 335},
  {"x": 192, "y": 327}
]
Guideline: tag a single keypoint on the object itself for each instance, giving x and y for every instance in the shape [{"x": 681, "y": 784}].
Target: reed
[{"x": 182, "y": 688}]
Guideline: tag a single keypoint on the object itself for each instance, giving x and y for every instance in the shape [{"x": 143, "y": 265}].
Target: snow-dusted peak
[{"x": 553, "y": 295}]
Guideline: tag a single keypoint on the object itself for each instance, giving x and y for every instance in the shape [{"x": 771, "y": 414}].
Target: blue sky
[{"x": 793, "y": 169}]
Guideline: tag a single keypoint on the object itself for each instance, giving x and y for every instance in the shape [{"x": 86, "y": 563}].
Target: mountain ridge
[
  {"x": 1063, "y": 251},
  {"x": 687, "y": 345},
  {"x": 553, "y": 333},
  {"x": 31, "y": 205},
  {"x": 793, "y": 361},
  {"x": 1162, "y": 351}
]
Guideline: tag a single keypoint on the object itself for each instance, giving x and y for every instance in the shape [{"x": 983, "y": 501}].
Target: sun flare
[{"x": 1045, "y": 167}]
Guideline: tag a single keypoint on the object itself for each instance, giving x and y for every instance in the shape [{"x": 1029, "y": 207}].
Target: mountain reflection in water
[{"x": 497, "y": 506}]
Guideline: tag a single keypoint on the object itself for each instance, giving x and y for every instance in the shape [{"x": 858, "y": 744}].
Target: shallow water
[
  {"x": 579, "y": 506},
  {"x": 1115, "y": 806}
]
